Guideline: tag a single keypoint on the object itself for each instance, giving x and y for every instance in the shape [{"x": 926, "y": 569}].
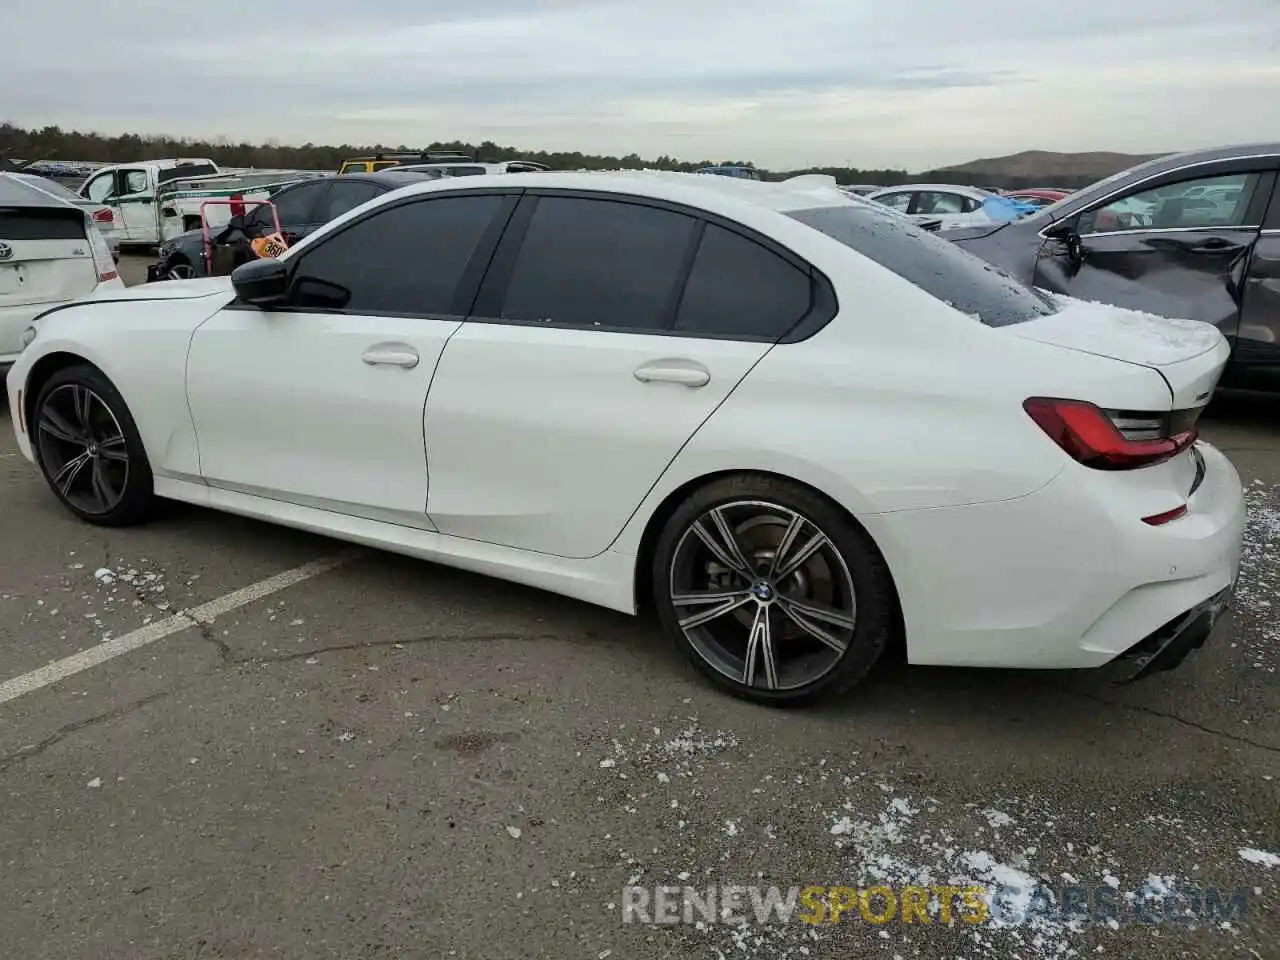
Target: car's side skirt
[{"x": 606, "y": 580}]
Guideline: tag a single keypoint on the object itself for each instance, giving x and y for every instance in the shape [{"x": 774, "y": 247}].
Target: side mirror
[
  {"x": 262, "y": 283},
  {"x": 1065, "y": 232}
]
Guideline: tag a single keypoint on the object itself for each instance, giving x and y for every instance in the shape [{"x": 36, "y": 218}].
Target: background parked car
[
  {"x": 1193, "y": 235},
  {"x": 301, "y": 207},
  {"x": 51, "y": 252},
  {"x": 1037, "y": 197},
  {"x": 472, "y": 168},
  {"x": 955, "y": 206},
  {"x": 102, "y": 216}
]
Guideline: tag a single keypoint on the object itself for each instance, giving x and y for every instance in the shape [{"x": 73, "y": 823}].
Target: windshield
[{"x": 939, "y": 267}]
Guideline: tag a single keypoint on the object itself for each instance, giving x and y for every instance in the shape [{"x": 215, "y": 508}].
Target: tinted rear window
[
  {"x": 937, "y": 266},
  {"x": 65, "y": 223}
]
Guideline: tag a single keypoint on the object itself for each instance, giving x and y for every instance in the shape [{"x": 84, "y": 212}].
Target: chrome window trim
[
  {"x": 1112, "y": 233},
  {"x": 1162, "y": 173}
]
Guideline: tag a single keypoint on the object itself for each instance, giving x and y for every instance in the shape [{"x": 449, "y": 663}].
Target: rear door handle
[
  {"x": 391, "y": 355},
  {"x": 690, "y": 373}
]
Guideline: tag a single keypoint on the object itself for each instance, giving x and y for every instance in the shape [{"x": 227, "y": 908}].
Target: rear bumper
[
  {"x": 1166, "y": 647},
  {"x": 14, "y": 320},
  {"x": 1068, "y": 577}
]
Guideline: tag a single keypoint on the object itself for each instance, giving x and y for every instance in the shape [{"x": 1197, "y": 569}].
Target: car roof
[
  {"x": 16, "y": 192},
  {"x": 717, "y": 194}
]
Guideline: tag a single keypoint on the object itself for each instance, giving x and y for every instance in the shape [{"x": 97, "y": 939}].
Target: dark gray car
[
  {"x": 1193, "y": 235},
  {"x": 301, "y": 207}
]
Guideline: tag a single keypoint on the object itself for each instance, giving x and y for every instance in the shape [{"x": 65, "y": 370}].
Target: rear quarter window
[{"x": 937, "y": 266}]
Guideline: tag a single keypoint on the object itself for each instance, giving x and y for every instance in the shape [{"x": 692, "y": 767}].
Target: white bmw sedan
[{"x": 798, "y": 427}]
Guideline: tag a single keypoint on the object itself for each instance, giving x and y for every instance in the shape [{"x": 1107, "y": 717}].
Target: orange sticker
[{"x": 269, "y": 247}]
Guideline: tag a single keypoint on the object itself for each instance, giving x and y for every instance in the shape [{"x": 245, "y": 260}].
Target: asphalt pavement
[{"x": 318, "y": 752}]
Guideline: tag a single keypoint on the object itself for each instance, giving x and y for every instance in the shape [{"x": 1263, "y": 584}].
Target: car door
[
  {"x": 589, "y": 361},
  {"x": 1256, "y": 362},
  {"x": 135, "y": 205},
  {"x": 101, "y": 188},
  {"x": 320, "y": 402},
  {"x": 1163, "y": 251}
]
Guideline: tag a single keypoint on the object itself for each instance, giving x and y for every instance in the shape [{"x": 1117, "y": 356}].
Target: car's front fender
[{"x": 140, "y": 344}]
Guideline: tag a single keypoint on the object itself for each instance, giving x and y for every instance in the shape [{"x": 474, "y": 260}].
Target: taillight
[
  {"x": 1117, "y": 441},
  {"x": 104, "y": 216},
  {"x": 102, "y": 259}
]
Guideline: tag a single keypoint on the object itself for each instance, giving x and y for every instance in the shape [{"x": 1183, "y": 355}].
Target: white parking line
[{"x": 183, "y": 620}]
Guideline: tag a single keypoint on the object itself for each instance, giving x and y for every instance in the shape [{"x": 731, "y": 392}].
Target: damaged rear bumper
[{"x": 1168, "y": 645}]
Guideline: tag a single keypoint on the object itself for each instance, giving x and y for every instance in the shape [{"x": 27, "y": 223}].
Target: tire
[
  {"x": 78, "y": 415},
  {"x": 826, "y": 622},
  {"x": 179, "y": 268}
]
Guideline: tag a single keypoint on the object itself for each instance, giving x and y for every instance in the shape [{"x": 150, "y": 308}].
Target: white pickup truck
[{"x": 156, "y": 200}]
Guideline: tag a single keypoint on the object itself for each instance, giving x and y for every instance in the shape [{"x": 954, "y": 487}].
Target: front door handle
[
  {"x": 687, "y": 372},
  {"x": 1214, "y": 245},
  {"x": 391, "y": 355}
]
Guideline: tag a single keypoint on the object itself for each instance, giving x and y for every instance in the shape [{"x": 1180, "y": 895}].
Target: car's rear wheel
[
  {"x": 772, "y": 591},
  {"x": 89, "y": 449}
]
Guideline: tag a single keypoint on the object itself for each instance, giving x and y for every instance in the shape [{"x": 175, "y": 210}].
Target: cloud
[{"x": 914, "y": 83}]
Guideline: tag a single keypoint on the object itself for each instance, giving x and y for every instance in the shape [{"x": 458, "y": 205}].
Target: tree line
[{"x": 55, "y": 143}]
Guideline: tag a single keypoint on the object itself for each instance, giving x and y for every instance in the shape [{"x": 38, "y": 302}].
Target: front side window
[
  {"x": 1205, "y": 202},
  {"x": 343, "y": 197},
  {"x": 295, "y": 206},
  {"x": 407, "y": 259},
  {"x": 738, "y": 288},
  {"x": 598, "y": 263},
  {"x": 100, "y": 187},
  {"x": 898, "y": 201},
  {"x": 939, "y": 267}
]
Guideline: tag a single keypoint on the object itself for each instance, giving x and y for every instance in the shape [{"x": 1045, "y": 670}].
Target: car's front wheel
[
  {"x": 89, "y": 449},
  {"x": 772, "y": 591},
  {"x": 180, "y": 269}
]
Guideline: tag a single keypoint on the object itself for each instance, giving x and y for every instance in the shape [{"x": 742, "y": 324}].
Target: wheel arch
[
  {"x": 642, "y": 585},
  {"x": 42, "y": 370}
]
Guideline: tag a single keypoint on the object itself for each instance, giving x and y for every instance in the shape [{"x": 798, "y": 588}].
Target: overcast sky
[{"x": 788, "y": 83}]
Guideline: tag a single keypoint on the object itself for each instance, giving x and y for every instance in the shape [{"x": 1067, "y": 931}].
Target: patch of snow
[
  {"x": 514, "y": 832},
  {"x": 997, "y": 819},
  {"x": 1260, "y": 857}
]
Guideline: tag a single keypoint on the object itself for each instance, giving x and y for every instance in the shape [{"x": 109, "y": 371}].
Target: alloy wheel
[
  {"x": 82, "y": 448},
  {"x": 763, "y": 595},
  {"x": 181, "y": 271}
]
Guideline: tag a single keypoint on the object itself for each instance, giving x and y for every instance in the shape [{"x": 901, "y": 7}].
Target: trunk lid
[
  {"x": 47, "y": 256},
  {"x": 1188, "y": 354}
]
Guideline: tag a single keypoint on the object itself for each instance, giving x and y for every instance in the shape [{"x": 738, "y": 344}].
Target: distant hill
[{"x": 1043, "y": 167}]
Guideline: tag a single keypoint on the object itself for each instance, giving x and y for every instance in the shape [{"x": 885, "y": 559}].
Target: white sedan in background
[
  {"x": 797, "y": 426},
  {"x": 100, "y": 214},
  {"x": 955, "y": 206},
  {"x": 51, "y": 252}
]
